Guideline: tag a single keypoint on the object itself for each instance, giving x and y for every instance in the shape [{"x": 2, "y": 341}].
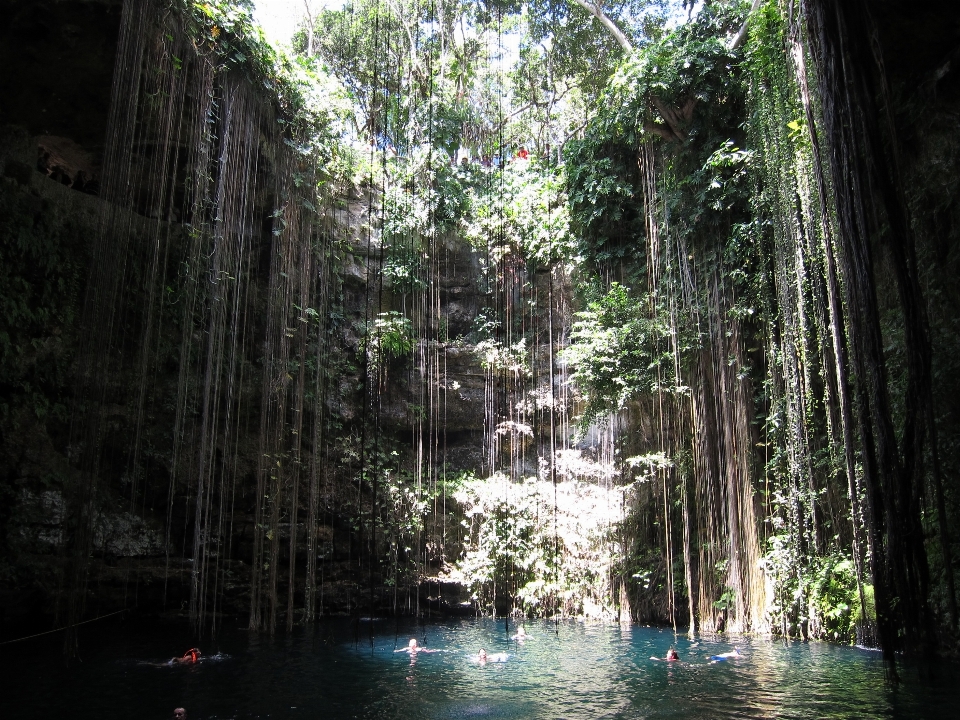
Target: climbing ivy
[
  {"x": 313, "y": 106},
  {"x": 619, "y": 352}
]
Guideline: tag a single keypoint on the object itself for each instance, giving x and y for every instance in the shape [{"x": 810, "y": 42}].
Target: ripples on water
[{"x": 568, "y": 670}]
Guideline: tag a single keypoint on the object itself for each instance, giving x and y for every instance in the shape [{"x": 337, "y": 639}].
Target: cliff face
[
  {"x": 57, "y": 60},
  {"x": 175, "y": 433}
]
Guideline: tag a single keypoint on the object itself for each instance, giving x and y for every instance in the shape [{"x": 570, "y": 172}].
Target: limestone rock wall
[{"x": 56, "y": 61}]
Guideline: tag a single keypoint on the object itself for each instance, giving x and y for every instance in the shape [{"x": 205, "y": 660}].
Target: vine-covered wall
[
  {"x": 252, "y": 366},
  {"x": 764, "y": 225},
  {"x": 186, "y": 299}
]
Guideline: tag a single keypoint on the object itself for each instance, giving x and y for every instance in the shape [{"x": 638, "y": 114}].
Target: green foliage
[
  {"x": 393, "y": 506},
  {"x": 424, "y": 193},
  {"x": 403, "y": 268},
  {"x": 409, "y": 74},
  {"x": 605, "y": 215},
  {"x": 618, "y": 352},
  {"x": 498, "y": 357},
  {"x": 692, "y": 75},
  {"x": 391, "y": 337},
  {"x": 834, "y": 595},
  {"x": 502, "y": 536},
  {"x": 312, "y": 104},
  {"x": 649, "y": 466},
  {"x": 41, "y": 270},
  {"x": 817, "y": 596},
  {"x": 579, "y": 47},
  {"x": 565, "y": 59},
  {"x": 521, "y": 211},
  {"x": 541, "y": 548}
]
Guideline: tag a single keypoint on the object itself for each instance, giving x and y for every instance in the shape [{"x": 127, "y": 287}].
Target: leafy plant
[
  {"x": 313, "y": 106},
  {"x": 618, "y": 352},
  {"x": 390, "y": 337},
  {"x": 539, "y": 547}
]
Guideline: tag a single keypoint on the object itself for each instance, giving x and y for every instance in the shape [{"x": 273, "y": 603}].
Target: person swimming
[
  {"x": 483, "y": 657},
  {"x": 521, "y": 635},
  {"x": 413, "y": 648},
  {"x": 725, "y": 656},
  {"x": 190, "y": 657},
  {"x": 671, "y": 656}
]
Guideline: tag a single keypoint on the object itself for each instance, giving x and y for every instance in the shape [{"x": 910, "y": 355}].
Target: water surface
[{"x": 570, "y": 670}]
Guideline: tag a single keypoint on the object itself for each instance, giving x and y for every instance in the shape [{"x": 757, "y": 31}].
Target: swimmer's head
[
  {"x": 482, "y": 654},
  {"x": 412, "y": 645},
  {"x": 180, "y": 714},
  {"x": 672, "y": 654}
]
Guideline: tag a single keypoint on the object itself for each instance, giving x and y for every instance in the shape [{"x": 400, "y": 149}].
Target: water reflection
[{"x": 567, "y": 670}]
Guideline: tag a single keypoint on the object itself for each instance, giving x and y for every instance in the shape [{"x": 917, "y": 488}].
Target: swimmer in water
[
  {"x": 413, "y": 648},
  {"x": 483, "y": 658},
  {"x": 190, "y": 657},
  {"x": 672, "y": 656},
  {"x": 521, "y": 635},
  {"x": 725, "y": 656}
]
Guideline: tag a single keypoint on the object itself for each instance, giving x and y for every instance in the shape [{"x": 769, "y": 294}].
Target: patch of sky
[
  {"x": 280, "y": 19},
  {"x": 680, "y": 12}
]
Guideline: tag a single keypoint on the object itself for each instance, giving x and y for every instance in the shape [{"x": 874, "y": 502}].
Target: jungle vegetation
[{"x": 716, "y": 245}]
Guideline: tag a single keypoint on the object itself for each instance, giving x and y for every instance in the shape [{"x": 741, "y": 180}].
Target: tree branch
[
  {"x": 741, "y": 36},
  {"x": 675, "y": 119},
  {"x": 609, "y": 24},
  {"x": 310, "y": 26},
  {"x": 663, "y": 131}
]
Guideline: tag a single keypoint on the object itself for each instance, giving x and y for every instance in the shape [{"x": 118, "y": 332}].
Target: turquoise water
[{"x": 566, "y": 670}]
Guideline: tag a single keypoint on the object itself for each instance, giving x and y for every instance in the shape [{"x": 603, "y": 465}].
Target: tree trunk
[{"x": 866, "y": 190}]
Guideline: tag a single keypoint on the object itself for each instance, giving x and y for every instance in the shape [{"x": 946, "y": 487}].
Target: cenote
[
  {"x": 596, "y": 316},
  {"x": 562, "y": 670}
]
